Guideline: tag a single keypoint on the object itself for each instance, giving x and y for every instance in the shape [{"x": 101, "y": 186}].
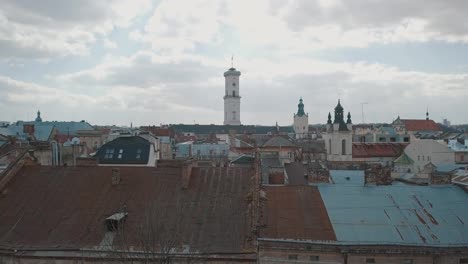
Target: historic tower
[
  {"x": 232, "y": 97},
  {"x": 339, "y": 136},
  {"x": 301, "y": 121}
]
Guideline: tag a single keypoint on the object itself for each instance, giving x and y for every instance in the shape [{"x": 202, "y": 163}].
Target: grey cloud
[{"x": 445, "y": 17}]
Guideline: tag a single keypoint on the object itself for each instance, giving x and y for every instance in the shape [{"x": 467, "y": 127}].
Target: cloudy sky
[{"x": 152, "y": 62}]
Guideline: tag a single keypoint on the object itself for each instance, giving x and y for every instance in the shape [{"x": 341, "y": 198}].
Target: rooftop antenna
[
  {"x": 362, "y": 110},
  {"x": 232, "y": 61}
]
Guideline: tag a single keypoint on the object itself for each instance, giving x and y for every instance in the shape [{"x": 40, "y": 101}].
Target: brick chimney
[
  {"x": 115, "y": 176},
  {"x": 29, "y": 129}
]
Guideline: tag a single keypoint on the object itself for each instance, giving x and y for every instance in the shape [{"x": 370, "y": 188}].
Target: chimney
[
  {"x": 115, "y": 176},
  {"x": 28, "y": 129}
]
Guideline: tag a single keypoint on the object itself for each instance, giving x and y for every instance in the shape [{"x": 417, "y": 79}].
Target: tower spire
[
  {"x": 232, "y": 61},
  {"x": 38, "y": 118}
]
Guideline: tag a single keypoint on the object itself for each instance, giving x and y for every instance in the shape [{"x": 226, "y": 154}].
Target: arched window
[
  {"x": 343, "y": 147},
  {"x": 233, "y": 115},
  {"x": 234, "y": 93}
]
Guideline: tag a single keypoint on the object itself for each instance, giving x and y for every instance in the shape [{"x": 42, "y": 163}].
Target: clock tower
[{"x": 232, "y": 97}]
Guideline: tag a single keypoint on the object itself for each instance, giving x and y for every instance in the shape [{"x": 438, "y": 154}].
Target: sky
[{"x": 162, "y": 62}]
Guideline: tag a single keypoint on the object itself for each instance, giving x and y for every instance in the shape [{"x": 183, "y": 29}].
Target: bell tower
[
  {"x": 301, "y": 121},
  {"x": 232, "y": 97}
]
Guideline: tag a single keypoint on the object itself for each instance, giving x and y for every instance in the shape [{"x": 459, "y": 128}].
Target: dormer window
[
  {"x": 138, "y": 155},
  {"x": 109, "y": 153}
]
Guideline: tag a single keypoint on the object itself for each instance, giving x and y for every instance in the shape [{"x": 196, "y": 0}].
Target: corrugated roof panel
[
  {"x": 348, "y": 177},
  {"x": 398, "y": 214}
]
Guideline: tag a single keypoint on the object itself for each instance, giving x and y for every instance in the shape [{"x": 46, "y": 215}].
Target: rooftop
[
  {"x": 295, "y": 212},
  {"x": 420, "y": 125},
  {"x": 368, "y": 150},
  {"x": 66, "y": 207},
  {"x": 397, "y": 214}
]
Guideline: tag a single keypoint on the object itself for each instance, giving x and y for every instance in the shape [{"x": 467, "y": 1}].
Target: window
[
  {"x": 370, "y": 260},
  {"x": 233, "y": 84},
  {"x": 408, "y": 261},
  {"x": 382, "y": 139},
  {"x": 329, "y": 146},
  {"x": 109, "y": 153},
  {"x": 406, "y": 139},
  {"x": 423, "y": 158},
  {"x": 392, "y": 139},
  {"x": 429, "y": 158},
  {"x": 234, "y": 93},
  {"x": 292, "y": 257},
  {"x": 233, "y": 115},
  {"x": 138, "y": 154},
  {"x": 120, "y": 154},
  {"x": 314, "y": 258},
  {"x": 418, "y": 157},
  {"x": 343, "y": 147}
]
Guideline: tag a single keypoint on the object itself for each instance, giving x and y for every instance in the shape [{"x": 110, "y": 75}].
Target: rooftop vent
[
  {"x": 116, "y": 220},
  {"x": 115, "y": 176}
]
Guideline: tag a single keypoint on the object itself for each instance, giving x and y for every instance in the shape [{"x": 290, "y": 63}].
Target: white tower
[
  {"x": 301, "y": 121},
  {"x": 232, "y": 97}
]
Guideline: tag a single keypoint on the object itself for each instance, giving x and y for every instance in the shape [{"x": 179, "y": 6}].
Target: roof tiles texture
[
  {"x": 369, "y": 150},
  {"x": 60, "y": 207},
  {"x": 295, "y": 212},
  {"x": 420, "y": 125}
]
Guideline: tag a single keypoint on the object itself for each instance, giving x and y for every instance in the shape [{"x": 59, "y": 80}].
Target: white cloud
[
  {"x": 44, "y": 29},
  {"x": 109, "y": 44},
  {"x": 270, "y": 89}
]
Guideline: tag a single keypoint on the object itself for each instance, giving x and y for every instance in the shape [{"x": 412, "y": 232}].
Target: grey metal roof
[{"x": 397, "y": 214}]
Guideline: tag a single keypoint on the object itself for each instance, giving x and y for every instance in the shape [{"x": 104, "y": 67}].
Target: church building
[
  {"x": 339, "y": 136},
  {"x": 232, "y": 97},
  {"x": 301, "y": 121}
]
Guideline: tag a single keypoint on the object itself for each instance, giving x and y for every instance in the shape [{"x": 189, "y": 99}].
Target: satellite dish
[{"x": 75, "y": 141}]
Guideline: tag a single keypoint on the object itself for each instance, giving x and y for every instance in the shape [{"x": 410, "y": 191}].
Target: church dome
[{"x": 232, "y": 72}]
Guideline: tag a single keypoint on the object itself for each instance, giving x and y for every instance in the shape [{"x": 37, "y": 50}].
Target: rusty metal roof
[
  {"x": 66, "y": 207},
  {"x": 295, "y": 212},
  {"x": 398, "y": 214},
  {"x": 370, "y": 150}
]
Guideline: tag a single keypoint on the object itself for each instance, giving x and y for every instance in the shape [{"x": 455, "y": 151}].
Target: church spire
[
  {"x": 329, "y": 121},
  {"x": 300, "y": 108},
  {"x": 38, "y": 118},
  {"x": 349, "y": 118},
  {"x": 339, "y": 118}
]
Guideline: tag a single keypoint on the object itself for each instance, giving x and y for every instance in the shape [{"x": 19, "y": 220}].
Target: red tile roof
[
  {"x": 159, "y": 131},
  {"x": 295, "y": 212},
  {"x": 65, "y": 207},
  {"x": 420, "y": 125},
  {"x": 370, "y": 150}
]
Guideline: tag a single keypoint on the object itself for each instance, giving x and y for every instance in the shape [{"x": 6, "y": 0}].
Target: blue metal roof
[
  {"x": 397, "y": 214},
  {"x": 42, "y": 130},
  {"x": 347, "y": 177}
]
